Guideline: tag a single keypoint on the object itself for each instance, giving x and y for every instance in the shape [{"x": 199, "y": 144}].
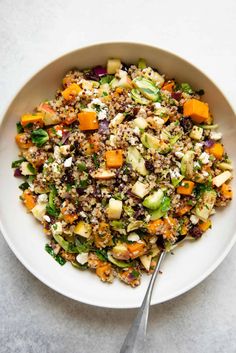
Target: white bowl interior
[{"x": 190, "y": 263}]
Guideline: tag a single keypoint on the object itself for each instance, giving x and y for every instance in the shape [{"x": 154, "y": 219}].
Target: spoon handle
[{"x": 135, "y": 339}]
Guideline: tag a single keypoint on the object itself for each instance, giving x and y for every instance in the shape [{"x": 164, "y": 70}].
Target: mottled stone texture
[{"x": 35, "y": 319}]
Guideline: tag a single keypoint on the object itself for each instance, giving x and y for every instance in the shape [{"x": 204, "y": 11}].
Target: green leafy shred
[
  {"x": 185, "y": 87},
  {"x": 101, "y": 254},
  {"x": 51, "y": 208},
  {"x": 96, "y": 160},
  {"x": 19, "y": 128},
  {"x": 81, "y": 167},
  {"x": 24, "y": 186},
  {"x": 39, "y": 137},
  {"x": 58, "y": 258},
  {"x": 106, "y": 79},
  {"x": 16, "y": 164}
]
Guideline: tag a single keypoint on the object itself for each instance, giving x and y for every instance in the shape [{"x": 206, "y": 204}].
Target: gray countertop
[{"x": 34, "y": 318}]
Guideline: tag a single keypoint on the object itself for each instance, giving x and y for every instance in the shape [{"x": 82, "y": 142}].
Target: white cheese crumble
[
  {"x": 205, "y": 173},
  {"x": 82, "y": 258},
  {"x": 215, "y": 135},
  {"x": 56, "y": 228},
  {"x": 55, "y": 168},
  {"x": 43, "y": 198},
  {"x": 133, "y": 237},
  {"x": 47, "y": 218},
  {"x": 204, "y": 158},
  {"x": 179, "y": 154},
  {"x": 82, "y": 214},
  {"x": 102, "y": 114},
  {"x": 59, "y": 133},
  {"x": 194, "y": 219},
  {"x": 157, "y": 105},
  {"x": 136, "y": 131},
  {"x": 174, "y": 173},
  {"x": 68, "y": 162}
]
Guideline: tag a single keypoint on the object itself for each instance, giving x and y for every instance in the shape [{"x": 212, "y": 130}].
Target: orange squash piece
[
  {"x": 104, "y": 271},
  {"x": 88, "y": 121},
  {"x": 28, "y": 199},
  {"x": 71, "y": 92},
  {"x": 168, "y": 86},
  {"x": 23, "y": 141},
  {"x": 31, "y": 118},
  {"x": 217, "y": 150},
  {"x": 114, "y": 158},
  {"x": 68, "y": 217},
  {"x": 197, "y": 110},
  {"x": 186, "y": 187},
  {"x": 226, "y": 191},
  {"x": 170, "y": 227},
  {"x": 155, "y": 226},
  {"x": 205, "y": 225},
  {"x": 136, "y": 249},
  {"x": 182, "y": 210}
]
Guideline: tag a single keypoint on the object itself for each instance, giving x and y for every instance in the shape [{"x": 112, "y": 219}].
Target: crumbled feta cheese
[
  {"x": 55, "y": 168},
  {"x": 205, "y": 173},
  {"x": 196, "y": 165},
  {"x": 194, "y": 219},
  {"x": 175, "y": 174},
  {"x": 102, "y": 114},
  {"x": 56, "y": 228},
  {"x": 68, "y": 162},
  {"x": 59, "y": 133},
  {"x": 133, "y": 141},
  {"x": 137, "y": 130},
  {"x": 215, "y": 135},
  {"x": 82, "y": 214},
  {"x": 47, "y": 218},
  {"x": 147, "y": 218},
  {"x": 42, "y": 198},
  {"x": 82, "y": 258},
  {"x": 204, "y": 158},
  {"x": 179, "y": 154},
  {"x": 157, "y": 105},
  {"x": 97, "y": 101},
  {"x": 133, "y": 237}
]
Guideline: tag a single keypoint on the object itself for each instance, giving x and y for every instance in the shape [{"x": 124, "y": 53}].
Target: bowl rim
[{"x": 10, "y": 243}]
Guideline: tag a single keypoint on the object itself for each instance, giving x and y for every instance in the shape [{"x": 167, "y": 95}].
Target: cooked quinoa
[{"x": 122, "y": 163}]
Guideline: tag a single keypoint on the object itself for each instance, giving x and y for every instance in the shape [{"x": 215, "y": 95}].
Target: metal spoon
[{"x": 135, "y": 339}]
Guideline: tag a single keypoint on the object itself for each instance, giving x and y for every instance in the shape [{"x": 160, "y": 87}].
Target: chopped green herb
[
  {"x": 17, "y": 163},
  {"x": 19, "y": 128},
  {"x": 101, "y": 254},
  {"x": 83, "y": 183},
  {"x": 104, "y": 94},
  {"x": 31, "y": 169},
  {"x": 24, "y": 186},
  {"x": 96, "y": 161},
  {"x": 58, "y": 258},
  {"x": 135, "y": 273}
]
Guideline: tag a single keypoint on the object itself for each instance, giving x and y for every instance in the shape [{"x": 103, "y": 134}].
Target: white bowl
[{"x": 191, "y": 263}]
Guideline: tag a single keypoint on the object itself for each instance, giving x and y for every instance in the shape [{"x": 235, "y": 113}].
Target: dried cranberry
[
  {"x": 17, "y": 172},
  {"x": 176, "y": 95},
  {"x": 186, "y": 124},
  {"x": 195, "y": 232},
  {"x": 135, "y": 111},
  {"x": 149, "y": 166},
  {"x": 80, "y": 191}
]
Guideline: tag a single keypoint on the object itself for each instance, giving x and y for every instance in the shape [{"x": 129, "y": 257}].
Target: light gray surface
[{"x": 35, "y": 319}]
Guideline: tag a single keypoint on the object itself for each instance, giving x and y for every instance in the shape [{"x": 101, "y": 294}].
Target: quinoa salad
[{"x": 122, "y": 163}]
